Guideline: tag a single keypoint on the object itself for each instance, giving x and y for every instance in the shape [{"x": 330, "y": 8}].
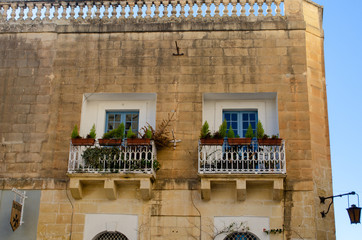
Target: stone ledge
[
  {"x": 110, "y": 181},
  {"x": 241, "y": 181},
  {"x": 232, "y": 24}
]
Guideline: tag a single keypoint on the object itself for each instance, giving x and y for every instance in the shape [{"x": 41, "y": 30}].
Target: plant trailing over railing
[{"x": 93, "y": 157}]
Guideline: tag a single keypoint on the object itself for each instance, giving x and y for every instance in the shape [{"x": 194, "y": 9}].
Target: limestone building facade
[{"x": 141, "y": 63}]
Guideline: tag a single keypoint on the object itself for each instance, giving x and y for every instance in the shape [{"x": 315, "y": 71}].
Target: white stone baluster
[
  {"x": 107, "y": 7},
  {"x": 191, "y": 11},
  {"x": 114, "y": 10},
  {"x": 39, "y": 6},
  {"x": 47, "y": 11},
  {"x": 98, "y": 10},
  {"x": 217, "y": 8},
  {"x": 148, "y": 10},
  {"x": 208, "y": 11},
  {"x": 71, "y": 12},
  {"x": 199, "y": 10},
  {"x": 131, "y": 4},
  {"x": 233, "y": 10},
  {"x": 225, "y": 11},
  {"x": 22, "y": 8},
  {"x": 165, "y": 4},
  {"x": 122, "y": 13},
  {"x": 157, "y": 9},
  {"x": 183, "y": 12},
  {"x": 260, "y": 8},
  {"x": 81, "y": 10},
  {"x": 269, "y": 9},
  {"x": 278, "y": 10},
  {"x": 14, "y": 6},
  {"x": 56, "y": 11},
  {"x": 139, "y": 12},
  {"x": 252, "y": 10},
  {"x": 243, "y": 10}
]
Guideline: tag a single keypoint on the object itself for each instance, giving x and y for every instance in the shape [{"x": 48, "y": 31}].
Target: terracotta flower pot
[
  {"x": 138, "y": 141},
  {"x": 211, "y": 141},
  {"x": 239, "y": 141},
  {"x": 109, "y": 142},
  {"x": 270, "y": 142},
  {"x": 83, "y": 141}
]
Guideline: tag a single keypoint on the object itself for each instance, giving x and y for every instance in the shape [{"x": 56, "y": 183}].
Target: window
[
  {"x": 240, "y": 120},
  {"x": 129, "y": 119},
  {"x": 110, "y": 236},
  {"x": 241, "y": 236}
]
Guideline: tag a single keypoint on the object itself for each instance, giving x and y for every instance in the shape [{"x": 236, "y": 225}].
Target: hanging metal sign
[
  {"x": 17, "y": 210},
  {"x": 15, "y": 215}
]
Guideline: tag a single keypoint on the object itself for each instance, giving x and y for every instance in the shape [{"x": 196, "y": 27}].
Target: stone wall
[{"x": 46, "y": 68}]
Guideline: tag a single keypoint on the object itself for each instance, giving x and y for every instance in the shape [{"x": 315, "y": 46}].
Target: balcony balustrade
[
  {"x": 113, "y": 10},
  {"x": 121, "y": 159},
  {"x": 251, "y": 159}
]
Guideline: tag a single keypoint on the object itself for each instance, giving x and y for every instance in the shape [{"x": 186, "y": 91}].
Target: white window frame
[
  {"x": 264, "y": 103},
  {"x": 95, "y": 106}
]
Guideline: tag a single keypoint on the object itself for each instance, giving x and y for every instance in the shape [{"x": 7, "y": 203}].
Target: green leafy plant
[
  {"x": 75, "y": 132},
  {"x": 231, "y": 133},
  {"x": 217, "y": 135},
  {"x": 131, "y": 134},
  {"x": 265, "y": 136},
  {"x": 276, "y": 136},
  {"x": 223, "y": 129},
  {"x": 148, "y": 133},
  {"x": 117, "y": 133},
  {"x": 249, "y": 133},
  {"x": 92, "y": 133},
  {"x": 93, "y": 156},
  {"x": 205, "y": 131},
  {"x": 259, "y": 130}
]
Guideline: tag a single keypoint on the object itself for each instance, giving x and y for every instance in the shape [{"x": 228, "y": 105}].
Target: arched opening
[
  {"x": 110, "y": 236},
  {"x": 241, "y": 236}
]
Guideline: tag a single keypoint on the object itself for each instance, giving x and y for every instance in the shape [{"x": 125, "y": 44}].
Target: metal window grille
[
  {"x": 110, "y": 236},
  {"x": 241, "y": 236}
]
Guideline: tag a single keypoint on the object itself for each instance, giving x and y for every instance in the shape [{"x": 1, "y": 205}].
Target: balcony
[
  {"x": 112, "y": 166},
  {"x": 242, "y": 164},
  {"x": 252, "y": 159}
]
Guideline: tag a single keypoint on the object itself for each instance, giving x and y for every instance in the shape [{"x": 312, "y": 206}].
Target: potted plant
[
  {"x": 215, "y": 139},
  {"x": 113, "y": 137},
  {"x": 274, "y": 140},
  {"x": 77, "y": 140},
  {"x": 132, "y": 139},
  {"x": 237, "y": 141},
  {"x": 264, "y": 139}
]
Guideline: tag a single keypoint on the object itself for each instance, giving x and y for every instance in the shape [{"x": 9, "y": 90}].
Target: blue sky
[{"x": 343, "y": 57}]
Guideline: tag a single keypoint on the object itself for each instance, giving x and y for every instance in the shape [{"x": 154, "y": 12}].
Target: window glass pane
[
  {"x": 117, "y": 117},
  {"x": 114, "y": 119},
  {"x": 234, "y": 117},
  {"x": 240, "y": 120},
  {"x": 245, "y": 116}
]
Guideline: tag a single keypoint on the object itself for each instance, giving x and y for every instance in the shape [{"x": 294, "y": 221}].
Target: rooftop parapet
[{"x": 118, "y": 11}]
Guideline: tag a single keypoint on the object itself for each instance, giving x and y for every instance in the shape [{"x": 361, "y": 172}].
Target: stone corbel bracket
[
  {"x": 241, "y": 184},
  {"x": 110, "y": 184}
]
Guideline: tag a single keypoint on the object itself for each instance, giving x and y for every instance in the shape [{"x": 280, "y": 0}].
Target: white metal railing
[
  {"x": 83, "y": 10},
  {"x": 120, "y": 159},
  {"x": 253, "y": 158}
]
